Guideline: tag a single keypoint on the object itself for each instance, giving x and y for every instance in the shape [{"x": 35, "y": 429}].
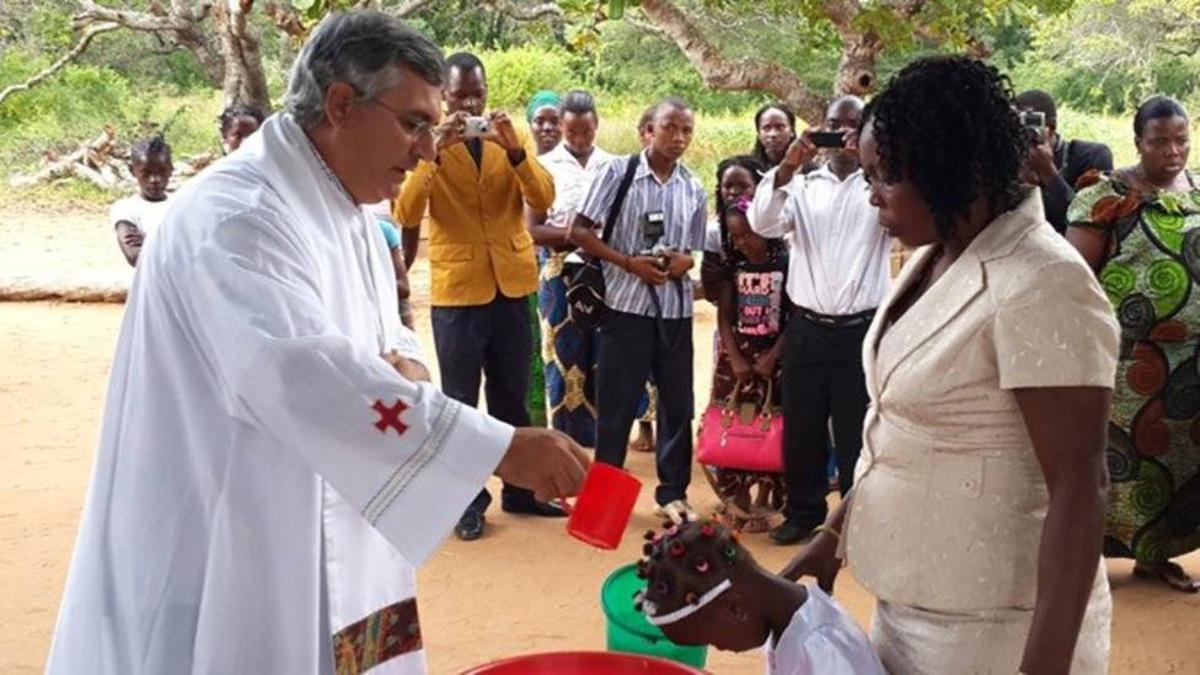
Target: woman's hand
[
  {"x": 742, "y": 370},
  {"x": 1072, "y": 459},
  {"x": 817, "y": 559},
  {"x": 766, "y": 364}
]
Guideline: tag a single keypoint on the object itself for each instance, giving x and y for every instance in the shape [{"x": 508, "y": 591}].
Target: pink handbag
[{"x": 734, "y": 436}]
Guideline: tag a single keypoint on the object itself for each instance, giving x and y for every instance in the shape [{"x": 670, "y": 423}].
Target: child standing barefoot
[{"x": 704, "y": 588}]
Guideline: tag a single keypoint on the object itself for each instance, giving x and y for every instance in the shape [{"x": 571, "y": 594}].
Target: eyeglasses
[{"x": 417, "y": 130}]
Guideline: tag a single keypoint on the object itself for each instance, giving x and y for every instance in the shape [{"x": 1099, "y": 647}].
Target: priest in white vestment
[{"x": 266, "y": 481}]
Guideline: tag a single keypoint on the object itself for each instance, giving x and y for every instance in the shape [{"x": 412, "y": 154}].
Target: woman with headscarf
[
  {"x": 569, "y": 358},
  {"x": 543, "y": 115}
]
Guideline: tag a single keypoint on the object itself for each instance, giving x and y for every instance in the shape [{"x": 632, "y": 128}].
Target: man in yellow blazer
[{"x": 481, "y": 261}]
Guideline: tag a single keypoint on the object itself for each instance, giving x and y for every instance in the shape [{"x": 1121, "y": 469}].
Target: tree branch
[
  {"x": 286, "y": 18},
  {"x": 861, "y": 48},
  {"x": 84, "y": 40},
  {"x": 143, "y": 21},
  {"x": 513, "y": 10},
  {"x": 643, "y": 25},
  {"x": 742, "y": 74},
  {"x": 841, "y": 13},
  {"x": 410, "y": 7},
  {"x": 244, "y": 79},
  {"x": 183, "y": 21}
]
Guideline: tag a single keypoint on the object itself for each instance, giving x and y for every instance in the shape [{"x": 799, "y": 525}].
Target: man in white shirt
[
  {"x": 837, "y": 277},
  {"x": 273, "y": 462}
]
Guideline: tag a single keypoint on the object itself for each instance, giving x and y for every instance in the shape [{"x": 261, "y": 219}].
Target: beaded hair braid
[{"x": 685, "y": 567}]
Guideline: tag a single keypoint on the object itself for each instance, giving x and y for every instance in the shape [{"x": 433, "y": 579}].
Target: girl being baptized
[{"x": 703, "y": 587}]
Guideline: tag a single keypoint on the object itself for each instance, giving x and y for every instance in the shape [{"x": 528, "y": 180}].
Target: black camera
[{"x": 828, "y": 139}]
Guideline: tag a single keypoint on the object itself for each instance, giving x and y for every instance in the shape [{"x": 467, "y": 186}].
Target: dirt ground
[{"x": 525, "y": 587}]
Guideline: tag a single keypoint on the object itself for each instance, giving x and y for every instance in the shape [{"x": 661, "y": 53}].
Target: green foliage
[
  {"x": 49, "y": 28},
  {"x": 79, "y": 101},
  {"x": 75, "y": 106},
  {"x": 640, "y": 67},
  {"x": 314, "y": 10},
  {"x": 1106, "y": 55},
  {"x": 467, "y": 22},
  {"x": 515, "y": 74}
]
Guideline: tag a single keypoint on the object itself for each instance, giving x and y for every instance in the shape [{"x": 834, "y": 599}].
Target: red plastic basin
[{"x": 583, "y": 663}]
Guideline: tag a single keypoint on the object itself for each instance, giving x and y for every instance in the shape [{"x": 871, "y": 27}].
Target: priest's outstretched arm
[{"x": 406, "y": 455}]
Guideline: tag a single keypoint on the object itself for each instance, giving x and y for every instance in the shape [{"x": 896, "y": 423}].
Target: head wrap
[{"x": 541, "y": 99}]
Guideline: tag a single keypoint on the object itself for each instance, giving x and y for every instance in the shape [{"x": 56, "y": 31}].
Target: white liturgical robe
[{"x": 265, "y": 482}]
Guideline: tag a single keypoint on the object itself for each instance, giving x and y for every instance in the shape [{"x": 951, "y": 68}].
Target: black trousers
[
  {"x": 822, "y": 379},
  {"x": 492, "y": 343},
  {"x": 628, "y": 349}
]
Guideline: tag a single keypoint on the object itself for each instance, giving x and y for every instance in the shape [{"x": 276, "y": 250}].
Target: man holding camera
[
  {"x": 481, "y": 260},
  {"x": 648, "y": 327},
  {"x": 1055, "y": 164},
  {"x": 838, "y": 275}
]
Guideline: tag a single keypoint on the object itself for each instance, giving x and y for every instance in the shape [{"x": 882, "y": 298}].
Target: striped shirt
[{"x": 681, "y": 200}]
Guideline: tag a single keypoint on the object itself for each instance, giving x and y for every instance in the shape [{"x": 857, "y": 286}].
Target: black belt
[{"x": 839, "y": 321}]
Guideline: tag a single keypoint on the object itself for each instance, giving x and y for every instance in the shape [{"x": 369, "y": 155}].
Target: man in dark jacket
[{"x": 1055, "y": 164}]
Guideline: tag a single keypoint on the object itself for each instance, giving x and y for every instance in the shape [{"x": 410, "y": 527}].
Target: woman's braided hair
[{"x": 948, "y": 125}]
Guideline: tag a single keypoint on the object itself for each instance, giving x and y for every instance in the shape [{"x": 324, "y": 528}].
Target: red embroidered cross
[{"x": 389, "y": 416}]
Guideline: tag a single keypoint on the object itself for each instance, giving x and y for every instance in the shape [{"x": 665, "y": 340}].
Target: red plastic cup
[{"x": 604, "y": 505}]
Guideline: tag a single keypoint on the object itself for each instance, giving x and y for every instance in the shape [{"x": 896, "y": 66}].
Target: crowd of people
[{"x": 1022, "y": 386}]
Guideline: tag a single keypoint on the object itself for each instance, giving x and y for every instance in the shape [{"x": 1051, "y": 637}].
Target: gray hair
[{"x": 365, "y": 49}]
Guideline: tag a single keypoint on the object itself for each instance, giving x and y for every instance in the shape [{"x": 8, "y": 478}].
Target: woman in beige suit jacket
[{"x": 979, "y": 502}]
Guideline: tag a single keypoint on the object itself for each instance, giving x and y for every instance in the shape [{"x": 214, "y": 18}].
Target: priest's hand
[
  {"x": 410, "y": 369},
  {"x": 545, "y": 461}
]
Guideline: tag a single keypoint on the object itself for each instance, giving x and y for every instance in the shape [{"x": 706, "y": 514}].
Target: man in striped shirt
[{"x": 649, "y": 328}]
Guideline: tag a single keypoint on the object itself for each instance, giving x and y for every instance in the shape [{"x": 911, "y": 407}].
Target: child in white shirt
[
  {"x": 703, "y": 587},
  {"x": 137, "y": 217}
]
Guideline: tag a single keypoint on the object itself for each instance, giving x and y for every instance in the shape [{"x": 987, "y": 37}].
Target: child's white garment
[
  {"x": 822, "y": 639},
  {"x": 135, "y": 209}
]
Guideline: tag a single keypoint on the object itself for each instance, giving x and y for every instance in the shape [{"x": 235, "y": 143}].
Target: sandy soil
[{"x": 525, "y": 587}]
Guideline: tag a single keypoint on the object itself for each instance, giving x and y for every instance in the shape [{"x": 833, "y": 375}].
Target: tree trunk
[
  {"x": 743, "y": 74},
  {"x": 856, "y": 71},
  {"x": 244, "y": 81}
]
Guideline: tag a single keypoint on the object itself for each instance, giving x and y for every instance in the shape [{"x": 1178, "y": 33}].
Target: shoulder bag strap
[{"x": 619, "y": 201}]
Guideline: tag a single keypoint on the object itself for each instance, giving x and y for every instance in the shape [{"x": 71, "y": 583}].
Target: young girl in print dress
[{"x": 752, "y": 310}]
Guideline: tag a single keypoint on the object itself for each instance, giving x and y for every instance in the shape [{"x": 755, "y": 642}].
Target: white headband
[{"x": 687, "y": 610}]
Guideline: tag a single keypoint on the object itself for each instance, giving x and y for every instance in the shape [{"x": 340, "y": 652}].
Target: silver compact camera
[
  {"x": 474, "y": 127},
  {"x": 1033, "y": 119},
  {"x": 660, "y": 252}
]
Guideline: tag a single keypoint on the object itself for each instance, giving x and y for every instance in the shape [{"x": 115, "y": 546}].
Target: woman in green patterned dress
[{"x": 1139, "y": 228}]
